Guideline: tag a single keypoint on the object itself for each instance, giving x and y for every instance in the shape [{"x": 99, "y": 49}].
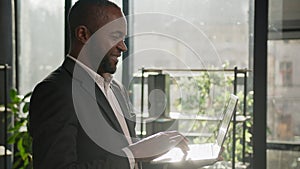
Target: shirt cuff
[{"x": 130, "y": 157}]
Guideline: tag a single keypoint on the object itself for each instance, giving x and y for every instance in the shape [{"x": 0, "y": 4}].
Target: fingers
[
  {"x": 179, "y": 139},
  {"x": 175, "y": 134},
  {"x": 184, "y": 148},
  {"x": 181, "y": 142},
  {"x": 220, "y": 158},
  {"x": 158, "y": 144},
  {"x": 222, "y": 149}
]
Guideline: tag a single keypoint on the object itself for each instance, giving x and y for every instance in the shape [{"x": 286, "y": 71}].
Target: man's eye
[{"x": 115, "y": 38}]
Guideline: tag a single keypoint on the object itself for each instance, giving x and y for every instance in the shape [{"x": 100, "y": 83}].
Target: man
[{"x": 80, "y": 117}]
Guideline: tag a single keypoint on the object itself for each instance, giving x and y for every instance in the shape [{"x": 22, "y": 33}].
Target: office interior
[{"x": 195, "y": 52}]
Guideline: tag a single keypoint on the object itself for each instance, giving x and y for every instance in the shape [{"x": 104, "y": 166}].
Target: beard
[{"x": 106, "y": 66}]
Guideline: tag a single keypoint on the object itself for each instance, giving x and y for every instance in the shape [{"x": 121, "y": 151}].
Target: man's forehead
[{"x": 116, "y": 26}]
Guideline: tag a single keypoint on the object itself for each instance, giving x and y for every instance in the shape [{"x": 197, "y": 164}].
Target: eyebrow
[{"x": 120, "y": 33}]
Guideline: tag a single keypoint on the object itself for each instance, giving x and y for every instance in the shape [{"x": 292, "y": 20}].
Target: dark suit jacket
[{"x": 61, "y": 126}]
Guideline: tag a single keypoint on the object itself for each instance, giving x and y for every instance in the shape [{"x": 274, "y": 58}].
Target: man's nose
[{"x": 122, "y": 46}]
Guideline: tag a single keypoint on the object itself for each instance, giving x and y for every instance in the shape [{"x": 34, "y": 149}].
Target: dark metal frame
[
  {"x": 260, "y": 83},
  {"x": 17, "y": 47},
  {"x": 5, "y": 69},
  {"x": 68, "y": 4},
  {"x": 126, "y": 69},
  {"x": 244, "y": 72}
]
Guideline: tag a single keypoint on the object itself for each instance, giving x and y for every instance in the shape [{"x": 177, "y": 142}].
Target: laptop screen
[{"x": 228, "y": 112}]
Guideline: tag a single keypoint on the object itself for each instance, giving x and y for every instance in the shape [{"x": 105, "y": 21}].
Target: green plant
[{"x": 19, "y": 135}]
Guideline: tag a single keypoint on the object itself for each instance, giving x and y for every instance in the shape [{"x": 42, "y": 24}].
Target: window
[
  {"x": 283, "y": 99},
  {"x": 41, "y": 39},
  {"x": 178, "y": 34},
  {"x": 41, "y": 35},
  {"x": 174, "y": 34},
  {"x": 185, "y": 35}
]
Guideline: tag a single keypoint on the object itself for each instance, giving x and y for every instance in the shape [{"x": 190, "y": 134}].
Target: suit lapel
[
  {"x": 83, "y": 79},
  {"x": 126, "y": 110},
  {"x": 109, "y": 114}
]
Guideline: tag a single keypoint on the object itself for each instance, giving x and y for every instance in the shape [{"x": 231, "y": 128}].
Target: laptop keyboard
[{"x": 197, "y": 152}]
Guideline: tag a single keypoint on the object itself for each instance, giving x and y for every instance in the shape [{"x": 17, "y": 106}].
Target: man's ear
[{"x": 82, "y": 34}]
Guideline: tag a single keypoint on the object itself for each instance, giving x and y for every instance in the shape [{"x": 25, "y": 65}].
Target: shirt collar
[{"x": 106, "y": 79}]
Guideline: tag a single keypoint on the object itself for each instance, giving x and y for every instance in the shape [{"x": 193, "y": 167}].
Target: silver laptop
[{"x": 203, "y": 154}]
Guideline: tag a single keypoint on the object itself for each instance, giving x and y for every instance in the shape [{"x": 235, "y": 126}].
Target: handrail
[{"x": 194, "y": 70}]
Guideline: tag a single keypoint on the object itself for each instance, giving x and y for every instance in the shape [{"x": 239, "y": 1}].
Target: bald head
[{"x": 92, "y": 14}]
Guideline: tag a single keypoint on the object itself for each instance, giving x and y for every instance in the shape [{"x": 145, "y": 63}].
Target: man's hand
[{"x": 158, "y": 144}]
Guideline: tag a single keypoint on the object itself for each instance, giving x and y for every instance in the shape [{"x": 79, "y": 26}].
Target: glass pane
[
  {"x": 283, "y": 99},
  {"x": 283, "y": 91},
  {"x": 288, "y": 159},
  {"x": 41, "y": 32},
  {"x": 118, "y": 2},
  {"x": 174, "y": 34},
  {"x": 284, "y": 21},
  {"x": 197, "y": 34},
  {"x": 184, "y": 35}
]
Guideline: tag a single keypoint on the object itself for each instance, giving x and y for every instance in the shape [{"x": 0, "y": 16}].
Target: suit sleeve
[{"x": 54, "y": 127}]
